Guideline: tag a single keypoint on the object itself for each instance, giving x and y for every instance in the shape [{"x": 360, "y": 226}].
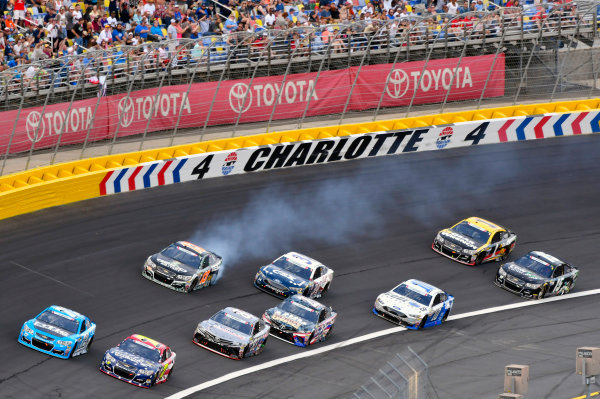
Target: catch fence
[{"x": 101, "y": 98}]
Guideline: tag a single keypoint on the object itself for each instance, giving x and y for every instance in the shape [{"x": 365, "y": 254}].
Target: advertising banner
[{"x": 252, "y": 100}]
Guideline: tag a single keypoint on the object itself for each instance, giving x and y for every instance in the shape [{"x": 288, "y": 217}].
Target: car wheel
[
  {"x": 543, "y": 291},
  {"x": 328, "y": 333},
  {"x": 479, "y": 258},
  {"x": 170, "y": 373},
  {"x": 73, "y": 350},
  {"x": 306, "y": 292},
  {"x": 193, "y": 285},
  {"x": 422, "y": 323},
  {"x": 445, "y": 316},
  {"x": 89, "y": 345},
  {"x": 325, "y": 289},
  {"x": 566, "y": 289},
  {"x": 310, "y": 339},
  {"x": 244, "y": 353},
  {"x": 214, "y": 278}
]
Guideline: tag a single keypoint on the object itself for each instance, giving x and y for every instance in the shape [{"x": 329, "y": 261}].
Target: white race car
[{"x": 414, "y": 304}]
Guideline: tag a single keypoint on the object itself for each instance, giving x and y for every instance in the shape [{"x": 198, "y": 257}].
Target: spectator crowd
[{"x": 34, "y": 30}]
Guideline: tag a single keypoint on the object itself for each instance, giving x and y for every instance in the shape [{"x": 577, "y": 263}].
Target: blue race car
[
  {"x": 59, "y": 332},
  {"x": 414, "y": 304},
  {"x": 292, "y": 274}
]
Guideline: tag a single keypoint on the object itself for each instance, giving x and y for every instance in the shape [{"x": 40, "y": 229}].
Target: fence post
[
  {"x": 387, "y": 79},
  {"x": 462, "y": 55},
  {"x": 243, "y": 105},
  {"x": 487, "y": 80},
  {"x": 362, "y": 60},
  {"x": 37, "y": 128},
  {"x": 93, "y": 121},
  {"x": 310, "y": 95},
  {"x": 67, "y": 115},
  {"x": 415, "y": 89}
]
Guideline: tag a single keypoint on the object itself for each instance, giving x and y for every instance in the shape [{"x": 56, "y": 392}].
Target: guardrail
[
  {"x": 75, "y": 181},
  {"x": 545, "y": 53}
]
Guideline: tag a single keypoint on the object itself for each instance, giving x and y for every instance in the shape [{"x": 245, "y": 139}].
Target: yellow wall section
[{"x": 69, "y": 182}]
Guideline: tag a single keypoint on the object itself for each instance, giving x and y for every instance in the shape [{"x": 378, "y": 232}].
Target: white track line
[{"x": 363, "y": 338}]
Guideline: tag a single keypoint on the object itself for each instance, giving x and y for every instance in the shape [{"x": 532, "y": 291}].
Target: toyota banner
[{"x": 253, "y": 100}]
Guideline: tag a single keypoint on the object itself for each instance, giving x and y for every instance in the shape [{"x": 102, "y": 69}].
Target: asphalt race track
[{"x": 371, "y": 220}]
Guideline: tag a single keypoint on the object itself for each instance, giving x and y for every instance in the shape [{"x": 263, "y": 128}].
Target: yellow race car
[{"x": 475, "y": 240}]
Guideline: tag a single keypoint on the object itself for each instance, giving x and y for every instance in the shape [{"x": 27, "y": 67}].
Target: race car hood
[
  {"x": 283, "y": 277},
  {"x": 460, "y": 239},
  {"x": 402, "y": 303},
  {"x": 219, "y": 331},
  {"x": 49, "y": 329},
  {"x": 129, "y": 359},
  {"x": 172, "y": 265},
  {"x": 522, "y": 273},
  {"x": 288, "y": 321}
]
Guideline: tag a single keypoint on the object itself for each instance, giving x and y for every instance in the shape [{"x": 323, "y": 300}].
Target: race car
[
  {"x": 139, "y": 361},
  {"x": 59, "y": 332},
  {"x": 536, "y": 275},
  {"x": 183, "y": 267},
  {"x": 232, "y": 333},
  {"x": 292, "y": 274},
  {"x": 475, "y": 240},
  {"x": 414, "y": 304},
  {"x": 300, "y": 321}
]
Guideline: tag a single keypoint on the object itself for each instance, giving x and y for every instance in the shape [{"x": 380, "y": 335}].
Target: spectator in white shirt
[
  {"x": 105, "y": 37},
  {"x": 452, "y": 7}
]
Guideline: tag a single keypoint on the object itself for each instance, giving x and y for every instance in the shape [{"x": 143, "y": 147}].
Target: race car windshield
[
  {"x": 293, "y": 268},
  {"x": 403, "y": 290},
  {"x": 130, "y": 346},
  {"x": 182, "y": 255},
  {"x": 472, "y": 232},
  {"x": 536, "y": 265},
  {"x": 299, "y": 310},
  {"x": 230, "y": 321},
  {"x": 59, "y": 321}
]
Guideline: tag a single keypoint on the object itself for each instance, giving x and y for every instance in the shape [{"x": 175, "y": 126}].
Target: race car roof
[
  {"x": 547, "y": 257},
  {"x": 483, "y": 224},
  {"x": 191, "y": 246},
  {"x": 245, "y": 316},
  {"x": 147, "y": 341},
  {"x": 302, "y": 260},
  {"x": 422, "y": 287},
  {"x": 66, "y": 312},
  {"x": 311, "y": 303}
]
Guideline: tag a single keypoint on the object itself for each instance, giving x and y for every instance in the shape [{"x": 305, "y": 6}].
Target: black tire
[
  {"x": 244, "y": 353},
  {"x": 445, "y": 316},
  {"x": 543, "y": 290},
  {"x": 328, "y": 333},
  {"x": 479, "y": 259},
  {"x": 310, "y": 339},
  {"x": 89, "y": 345},
  {"x": 422, "y": 323},
  {"x": 170, "y": 373},
  {"x": 73, "y": 350},
  {"x": 214, "y": 278},
  {"x": 325, "y": 289},
  {"x": 306, "y": 292},
  {"x": 567, "y": 286},
  {"x": 193, "y": 285}
]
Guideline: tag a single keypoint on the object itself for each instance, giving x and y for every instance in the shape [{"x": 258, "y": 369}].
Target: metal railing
[{"x": 549, "y": 53}]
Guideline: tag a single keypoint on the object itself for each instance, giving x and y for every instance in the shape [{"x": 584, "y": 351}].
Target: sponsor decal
[
  {"x": 37, "y": 126},
  {"x": 460, "y": 238},
  {"x": 49, "y": 327},
  {"x": 171, "y": 266},
  {"x": 401, "y": 82},
  {"x": 444, "y": 137},
  {"x": 142, "y": 108},
  {"x": 229, "y": 163},
  {"x": 136, "y": 360},
  {"x": 288, "y": 318},
  {"x": 242, "y": 96}
]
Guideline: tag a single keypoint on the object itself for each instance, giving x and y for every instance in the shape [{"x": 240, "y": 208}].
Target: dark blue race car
[
  {"x": 292, "y": 274},
  {"x": 59, "y": 332}
]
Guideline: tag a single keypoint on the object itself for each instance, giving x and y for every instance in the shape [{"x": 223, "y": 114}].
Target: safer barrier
[
  {"x": 252, "y": 100},
  {"x": 74, "y": 181}
]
